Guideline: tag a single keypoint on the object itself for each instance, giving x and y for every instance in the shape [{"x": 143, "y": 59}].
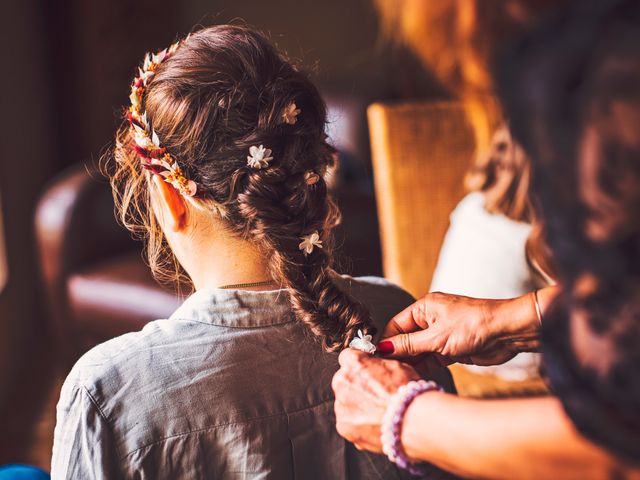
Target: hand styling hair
[{"x": 221, "y": 92}]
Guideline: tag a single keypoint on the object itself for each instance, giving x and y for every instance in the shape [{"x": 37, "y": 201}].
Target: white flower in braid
[
  {"x": 259, "y": 157},
  {"x": 309, "y": 242}
]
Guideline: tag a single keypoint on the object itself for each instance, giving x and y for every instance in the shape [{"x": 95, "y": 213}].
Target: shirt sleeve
[{"x": 83, "y": 445}]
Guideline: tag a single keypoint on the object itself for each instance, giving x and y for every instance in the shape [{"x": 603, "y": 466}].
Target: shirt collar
[{"x": 237, "y": 308}]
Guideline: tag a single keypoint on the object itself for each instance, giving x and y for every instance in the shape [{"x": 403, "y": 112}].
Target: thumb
[{"x": 409, "y": 344}]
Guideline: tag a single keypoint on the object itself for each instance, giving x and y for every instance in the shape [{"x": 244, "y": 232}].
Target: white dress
[{"x": 483, "y": 256}]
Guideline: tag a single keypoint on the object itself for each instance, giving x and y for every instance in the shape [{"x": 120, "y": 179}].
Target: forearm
[{"x": 518, "y": 438}]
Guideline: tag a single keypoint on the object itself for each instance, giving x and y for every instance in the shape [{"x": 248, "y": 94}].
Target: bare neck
[{"x": 217, "y": 259}]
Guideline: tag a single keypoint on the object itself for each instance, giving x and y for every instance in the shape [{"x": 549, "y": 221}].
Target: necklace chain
[{"x": 247, "y": 285}]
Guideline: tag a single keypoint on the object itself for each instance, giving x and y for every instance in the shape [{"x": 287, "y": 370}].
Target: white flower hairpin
[
  {"x": 309, "y": 242},
  {"x": 259, "y": 157},
  {"x": 363, "y": 343},
  {"x": 290, "y": 114}
]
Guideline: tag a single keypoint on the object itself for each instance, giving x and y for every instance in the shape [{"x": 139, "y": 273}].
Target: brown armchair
[{"x": 96, "y": 283}]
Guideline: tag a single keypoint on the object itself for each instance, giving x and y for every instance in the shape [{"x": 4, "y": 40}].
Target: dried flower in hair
[
  {"x": 259, "y": 157},
  {"x": 290, "y": 114},
  {"x": 311, "y": 177},
  {"x": 363, "y": 343},
  {"x": 147, "y": 143},
  {"x": 173, "y": 175},
  {"x": 309, "y": 242}
]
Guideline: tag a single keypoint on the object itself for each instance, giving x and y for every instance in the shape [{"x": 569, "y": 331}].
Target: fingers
[
  {"x": 412, "y": 344},
  {"x": 351, "y": 357},
  {"x": 351, "y": 363},
  {"x": 338, "y": 381},
  {"x": 358, "y": 369},
  {"x": 404, "y": 322}
]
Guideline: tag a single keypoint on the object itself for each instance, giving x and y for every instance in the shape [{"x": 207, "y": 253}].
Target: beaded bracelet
[{"x": 391, "y": 427}]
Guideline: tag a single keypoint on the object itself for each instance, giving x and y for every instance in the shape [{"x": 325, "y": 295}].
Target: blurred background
[{"x": 69, "y": 277}]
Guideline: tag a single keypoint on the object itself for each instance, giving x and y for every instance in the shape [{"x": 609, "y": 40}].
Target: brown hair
[
  {"x": 504, "y": 177},
  {"x": 459, "y": 40},
  {"x": 223, "y": 91}
]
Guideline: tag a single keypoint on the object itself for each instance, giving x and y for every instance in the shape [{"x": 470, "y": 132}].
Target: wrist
[
  {"x": 515, "y": 323},
  {"x": 394, "y": 419},
  {"x": 416, "y": 434}
]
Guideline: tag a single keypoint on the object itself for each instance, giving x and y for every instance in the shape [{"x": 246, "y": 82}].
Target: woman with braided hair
[{"x": 220, "y": 167}]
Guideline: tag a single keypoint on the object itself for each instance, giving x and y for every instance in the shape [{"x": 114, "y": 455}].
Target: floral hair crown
[{"x": 153, "y": 156}]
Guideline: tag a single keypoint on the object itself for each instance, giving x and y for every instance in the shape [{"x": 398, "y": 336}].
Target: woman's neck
[{"x": 222, "y": 259}]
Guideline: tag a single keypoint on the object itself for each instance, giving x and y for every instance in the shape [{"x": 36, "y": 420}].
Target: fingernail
[{"x": 386, "y": 348}]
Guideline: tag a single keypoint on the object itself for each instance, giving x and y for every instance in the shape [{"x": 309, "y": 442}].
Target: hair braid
[{"x": 278, "y": 212}]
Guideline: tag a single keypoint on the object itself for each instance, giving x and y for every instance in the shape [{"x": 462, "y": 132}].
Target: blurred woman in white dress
[{"x": 491, "y": 249}]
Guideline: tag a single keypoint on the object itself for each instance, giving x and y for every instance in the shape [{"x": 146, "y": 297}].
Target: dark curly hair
[
  {"x": 571, "y": 91},
  {"x": 223, "y": 91}
]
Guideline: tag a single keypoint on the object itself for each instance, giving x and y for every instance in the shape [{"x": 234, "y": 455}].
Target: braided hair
[{"x": 222, "y": 92}]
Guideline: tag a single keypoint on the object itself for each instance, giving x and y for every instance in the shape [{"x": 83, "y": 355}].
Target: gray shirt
[{"x": 230, "y": 386}]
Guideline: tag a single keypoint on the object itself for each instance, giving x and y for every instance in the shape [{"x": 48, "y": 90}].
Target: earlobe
[{"x": 172, "y": 203}]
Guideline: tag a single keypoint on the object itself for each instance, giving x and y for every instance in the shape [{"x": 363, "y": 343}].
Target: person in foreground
[
  {"x": 571, "y": 93},
  {"x": 223, "y": 155}
]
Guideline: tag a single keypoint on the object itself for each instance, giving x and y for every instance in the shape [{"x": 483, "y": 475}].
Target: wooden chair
[{"x": 420, "y": 154}]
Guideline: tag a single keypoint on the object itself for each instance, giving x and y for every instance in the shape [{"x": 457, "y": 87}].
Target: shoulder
[
  {"x": 470, "y": 213},
  {"x": 472, "y": 203},
  {"x": 150, "y": 363},
  {"x": 371, "y": 287},
  {"x": 102, "y": 360},
  {"x": 112, "y": 372},
  {"x": 383, "y": 298},
  {"x": 82, "y": 420},
  {"x": 473, "y": 231}
]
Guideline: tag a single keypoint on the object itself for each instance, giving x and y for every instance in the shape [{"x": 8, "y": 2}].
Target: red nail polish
[{"x": 386, "y": 348}]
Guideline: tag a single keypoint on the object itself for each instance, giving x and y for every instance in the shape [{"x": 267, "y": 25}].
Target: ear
[{"x": 172, "y": 203}]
